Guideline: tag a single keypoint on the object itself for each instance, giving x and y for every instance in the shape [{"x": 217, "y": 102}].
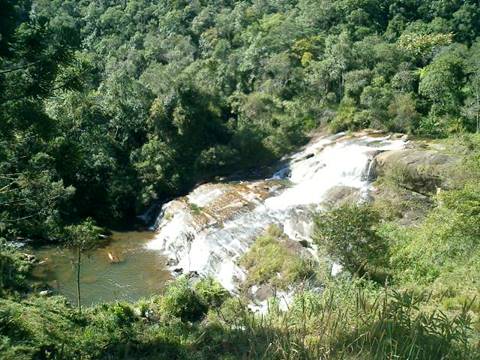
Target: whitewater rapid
[{"x": 210, "y": 229}]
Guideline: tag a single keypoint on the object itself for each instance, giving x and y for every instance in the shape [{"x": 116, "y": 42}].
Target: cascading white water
[{"x": 209, "y": 230}]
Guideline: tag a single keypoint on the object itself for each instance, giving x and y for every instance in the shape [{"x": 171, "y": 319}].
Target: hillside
[{"x": 113, "y": 109}]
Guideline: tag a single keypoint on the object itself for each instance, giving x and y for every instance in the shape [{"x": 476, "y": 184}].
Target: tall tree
[
  {"x": 472, "y": 105},
  {"x": 81, "y": 237},
  {"x": 35, "y": 59}
]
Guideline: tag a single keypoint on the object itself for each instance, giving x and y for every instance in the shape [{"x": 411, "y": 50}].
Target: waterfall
[{"x": 211, "y": 228}]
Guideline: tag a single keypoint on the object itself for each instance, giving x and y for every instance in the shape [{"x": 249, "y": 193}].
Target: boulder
[
  {"x": 30, "y": 258},
  {"x": 262, "y": 292},
  {"x": 416, "y": 169},
  {"x": 341, "y": 195},
  {"x": 408, "y": 207}
]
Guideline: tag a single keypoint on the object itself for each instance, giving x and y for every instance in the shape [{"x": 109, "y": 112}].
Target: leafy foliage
[
  {"x": 182, "y": 301},
  {"x": 346, "y": 321},
  {"x": 349, "y": 236},
  {"x": 274, "y": 260},
  {"x": 14, "y": 269},
  {"x": 109, "y": 106}
]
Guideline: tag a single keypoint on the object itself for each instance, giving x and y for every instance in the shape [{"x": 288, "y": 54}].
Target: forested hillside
[
  {"x": 110, "y": 106},
  {"x": 107, "y": 106}
]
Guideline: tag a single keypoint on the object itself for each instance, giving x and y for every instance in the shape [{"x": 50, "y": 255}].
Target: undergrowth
[{"x": 348, "y": 319}]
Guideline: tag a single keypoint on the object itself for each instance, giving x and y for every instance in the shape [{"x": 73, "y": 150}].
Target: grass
[
  {"x": 196, "y": 210},
  {"x": 274, "y": 260},
  {"x": 354, "y": 324},
  {"x": 350, "y": 319}
]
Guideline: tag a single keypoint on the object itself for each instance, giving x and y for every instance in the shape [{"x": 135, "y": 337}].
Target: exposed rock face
[
  {"x": 419, "y": 170},
  {"x": 214, "y": 204},
  {"x": 416, "y": 174},
  {"x": 211, "y": 227}
]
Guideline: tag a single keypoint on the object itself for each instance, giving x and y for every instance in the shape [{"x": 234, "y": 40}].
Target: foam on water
[{"x": 215, "y": 248}]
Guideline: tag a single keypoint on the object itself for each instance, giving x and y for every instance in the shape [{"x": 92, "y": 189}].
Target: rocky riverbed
[{"x": 207, "y": 231}]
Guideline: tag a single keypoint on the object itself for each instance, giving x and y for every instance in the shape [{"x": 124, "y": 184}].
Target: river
[{"x": 207, "y": 231}]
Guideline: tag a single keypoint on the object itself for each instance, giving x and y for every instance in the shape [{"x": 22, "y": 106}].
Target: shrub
[
  {"x": 272, "y": 260},
  {"x": 122, "y": 313},
  {"x": 211, "y": 292},
  {"x": 13, "y": 270},
  {"x": 349, "y": 236},
  {"x": 432, "y": 127},
  {"x": 182, "y": 301}
]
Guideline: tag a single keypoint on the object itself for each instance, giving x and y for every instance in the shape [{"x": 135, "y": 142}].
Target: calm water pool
[{"x": 140, "y": 272}]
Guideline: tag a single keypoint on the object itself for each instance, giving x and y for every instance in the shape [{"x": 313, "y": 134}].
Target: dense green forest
[{"x": 109, "y": 106}]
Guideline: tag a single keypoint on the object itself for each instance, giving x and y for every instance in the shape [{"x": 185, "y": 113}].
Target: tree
[
  {"x": 422, "y": 45},
  {"x": 471, "y": 109},
  {"x": 349, "y": 236},
  {"x": 356, "y": 81},
  {"x": 155, "y": 163},
  {"x": 338, "y": 50},
  {"x": 162, "y": 95},
  {"x": 405, "y": 80},
  {"x": 441, "y": 81},
  {"x": 81, "y": 237},
  {"x": 465, "y": 22},
  {"x": 403, "y": 112},
  {"x": 36, "y": 58}
]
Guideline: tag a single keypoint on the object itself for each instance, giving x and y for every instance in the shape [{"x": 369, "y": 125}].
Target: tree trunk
[
  {"x": 79, "y": 259},
  {"x": 478, "y": 113}
]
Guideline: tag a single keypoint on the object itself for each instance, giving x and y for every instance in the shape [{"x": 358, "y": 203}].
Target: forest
[{"x": 110, "y": 107}]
